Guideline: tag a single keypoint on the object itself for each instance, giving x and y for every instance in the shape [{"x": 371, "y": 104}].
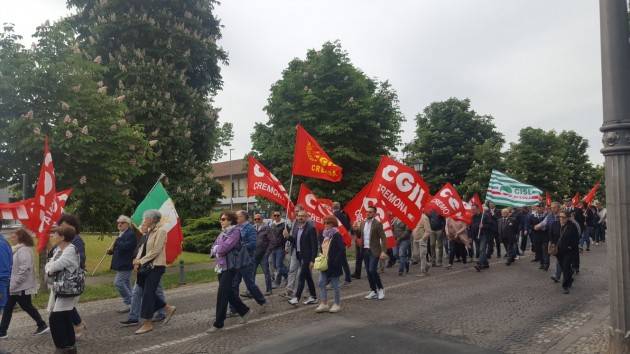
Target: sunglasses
[
  {"x": 257, "y": 219},
  {"x": 223, "y": 219},
  {"x": 276, "y": 215}
]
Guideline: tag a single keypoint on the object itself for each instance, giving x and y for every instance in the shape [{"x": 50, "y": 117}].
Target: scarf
[{"x": 328, "y": 233}]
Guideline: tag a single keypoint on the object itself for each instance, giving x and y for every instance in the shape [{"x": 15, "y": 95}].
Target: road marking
[{"x": 293, "y": 311}]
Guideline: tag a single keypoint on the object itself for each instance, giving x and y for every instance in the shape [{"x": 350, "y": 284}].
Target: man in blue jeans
[
  {"x": 371, "y": 236},
  {"x": 248, "y": 273},
  {"x": 122, "y": 252}
]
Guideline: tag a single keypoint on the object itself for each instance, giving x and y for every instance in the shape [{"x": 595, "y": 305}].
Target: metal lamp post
[{"x": 615, "y": 52}]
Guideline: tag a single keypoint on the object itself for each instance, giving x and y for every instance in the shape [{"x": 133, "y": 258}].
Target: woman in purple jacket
[{"x": 228, "y": 241}]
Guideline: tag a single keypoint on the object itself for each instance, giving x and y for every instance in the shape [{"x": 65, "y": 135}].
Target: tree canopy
[{"x": 354, "y": 118}]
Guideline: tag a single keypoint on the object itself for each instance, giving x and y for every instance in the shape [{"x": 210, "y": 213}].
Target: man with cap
[{"x": 122, "y": 260}]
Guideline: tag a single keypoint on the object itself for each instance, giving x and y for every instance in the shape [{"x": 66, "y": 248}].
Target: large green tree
[
  {"x": 486, "y": 157},
  {"x": 554, "y": 162},
  {"x": 447, "y": 134},
  {"x": 53, "y": 90},
  {"x": 355, "y": 119},
  {"x": 162, "y": 57}
]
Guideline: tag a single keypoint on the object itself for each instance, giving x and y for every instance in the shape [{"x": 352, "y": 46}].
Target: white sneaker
[
  {"x": 381, "y": 294},
  {"x": 293, "y": 301},
  {"x": 334, "y": 308},
  {"x": 322, "y": 308},
  {"x": 310, "y": 301},
  {"x": 372, "y": 295}
]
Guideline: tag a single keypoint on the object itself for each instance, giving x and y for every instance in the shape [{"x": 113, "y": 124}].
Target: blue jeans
[
  {"x": 404, "y": 251},
  {"x": 483, "y": 249},
  {"x": 277, "y": 257},
  {"x": 122, "y": 282},
  {"x": 4, "y": 292},
  {"x": 586, "y": 237},
  {"x": 371, "y": 267},
  {"x": 558, "y": 274},
  {"x": 264, "y": 263},
  {"x": 136, "y": 302},
  {"x": 334, "y": 282},
  {"x": 248, "y": 275}
]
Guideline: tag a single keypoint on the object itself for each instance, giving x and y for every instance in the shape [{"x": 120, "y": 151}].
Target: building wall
[{"x": 4, "y": 195}]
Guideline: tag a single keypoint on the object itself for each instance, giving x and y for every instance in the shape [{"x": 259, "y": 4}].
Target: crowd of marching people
[{"x": 292, "y": 255}]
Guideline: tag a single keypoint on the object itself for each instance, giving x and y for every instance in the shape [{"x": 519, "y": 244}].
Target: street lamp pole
[
  {"x": 615, "y": 52},
  {"x": 231, "y": 185}
]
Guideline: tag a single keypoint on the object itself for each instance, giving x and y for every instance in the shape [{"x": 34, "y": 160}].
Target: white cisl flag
[{"x": 158, "y": 198}]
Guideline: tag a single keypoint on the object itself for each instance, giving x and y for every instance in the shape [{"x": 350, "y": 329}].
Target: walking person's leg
[
  {"x": 367, "y": 257},
  {"x": 358, "y": 262},
  {"x": 346, "y": 267},
  {"x": 249, "y": 278},
  {"x": 26, "y": 303},
  {"x": 122, "y": 283},
  {"x": 292, "y": 275},
  {"x": 323, "y": 295},
  {"x": 433, "y": 236},
  {"x": 7, "y": 314}
]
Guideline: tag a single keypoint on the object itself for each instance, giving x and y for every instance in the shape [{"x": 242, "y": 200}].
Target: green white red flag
[{"x": 158, "y": 198}]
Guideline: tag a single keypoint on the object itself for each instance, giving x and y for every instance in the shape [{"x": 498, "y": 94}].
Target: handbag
[
  {"x": 321, "y": 263},
  {"x": 552, "y": 248},
  {"x": 69, "y": 284}
]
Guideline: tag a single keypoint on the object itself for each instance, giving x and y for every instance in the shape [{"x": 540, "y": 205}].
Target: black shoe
[
  {"x": 588, "y": 249},
  {"x": 477, "y": 267},
  {"x": 3, "y": 335},
  {"x": 129, "y": 323},
  {"x": 545, "y": 268},
  {"x": 414, "y": 262},
  {"x": 400, "y": 274},
  {"x": 566, "y": 290},
  {"x": 42, "y": 330},
  {"x": 541, "y": 267},
  {"x": 535, "y": 260},
  {"x": 356, "y": 276},
  {"x": 555, "y": 280},
  {"x": 508, "y": 263}
]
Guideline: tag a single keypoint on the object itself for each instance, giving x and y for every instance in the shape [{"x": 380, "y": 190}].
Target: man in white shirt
[{"x": 371, "y": 236}]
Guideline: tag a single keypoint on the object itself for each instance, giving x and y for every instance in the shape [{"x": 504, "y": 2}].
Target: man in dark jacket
[
  {"x": 567, "y": 249},
  {"x": 495, "y": 214},
  {"x": 304, "y": 239},
  {"x": 473, "y": 231},
  {"x": 345, "y": 221},
  {"x": 261, "y": 255},
  {"x": 540, "y": 239},
  {"x": 247, "y": 273},
  {"x": 276, "y": 249},
  {"x": 508, "y": 232},
  {"x": 122, "y": 252},
  {"x": 551, "y": 224},
  {"x": 486, "y": 238}
]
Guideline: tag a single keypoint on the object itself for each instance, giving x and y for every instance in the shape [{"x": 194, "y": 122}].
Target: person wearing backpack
[{"x": 436, "y": 237}]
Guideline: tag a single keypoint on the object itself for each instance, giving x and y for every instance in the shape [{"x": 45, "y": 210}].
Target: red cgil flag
[
  {"x": 310, "y": 160},
  {"x": 261, "y": 182},
  {"x": 357, "y": 207},
  {"x": 475, "y": 200},
  {"x": 318, "y": 210},
  {"x": 588, "y": 199},
  {"x": 46, "y": 209},
  {"x": 400, "y": 189},
  {"x": 576, "y": 199},
  {"x": 548, "y": 199},
  {"x": 447, "y": 203}
]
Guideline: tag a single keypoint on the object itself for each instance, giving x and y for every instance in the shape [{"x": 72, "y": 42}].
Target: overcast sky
[{"x": 525, "y": 62}]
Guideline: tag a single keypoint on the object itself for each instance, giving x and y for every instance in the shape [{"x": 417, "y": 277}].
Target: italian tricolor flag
[{"x": 158, "y": 198}]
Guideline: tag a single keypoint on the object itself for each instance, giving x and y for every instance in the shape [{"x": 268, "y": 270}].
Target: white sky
[{"x": 525, "y": 62}]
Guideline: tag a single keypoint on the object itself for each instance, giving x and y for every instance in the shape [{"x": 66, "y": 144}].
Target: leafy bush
[
  {"x": 202, "y": 242},
  {"x": 199, "y": 234}
]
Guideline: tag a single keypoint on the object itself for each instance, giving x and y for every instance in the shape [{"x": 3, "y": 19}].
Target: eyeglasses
[
  {"x": 276, "y": 215},
  {"x": 257, "y": 219},
  {"x": 223, "y": 219}
]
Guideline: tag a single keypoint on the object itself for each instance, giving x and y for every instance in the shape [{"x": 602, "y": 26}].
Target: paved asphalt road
[{"x": 515, "y": 309}]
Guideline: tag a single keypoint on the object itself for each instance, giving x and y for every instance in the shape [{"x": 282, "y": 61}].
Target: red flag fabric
[
  {"x": 46, "y": 210},
  {"x": 310, "y": 160},
  {"x": 318, "y": 210},
  {"x": 446, "y": 202},
  {"x": 476, "y": 201},
  {"x": 576, "y": 199},
  {"x": 23, "y": 210},
  {"x": 357, "y": 207},
  {"x": 401, "y": 189},
  {"x": 465, "y": 214},
  {"x": 261, "y": 182},
  {"x": 588, "y": 199},
  {"x": 548, "y": 199}
]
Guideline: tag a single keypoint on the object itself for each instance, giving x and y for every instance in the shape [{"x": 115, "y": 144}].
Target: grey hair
[
  {"x": 243, "y": 213},
  {"x": 152, "y": 214}
]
